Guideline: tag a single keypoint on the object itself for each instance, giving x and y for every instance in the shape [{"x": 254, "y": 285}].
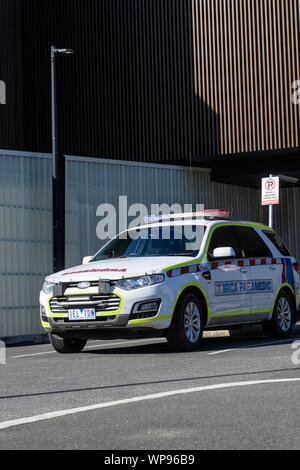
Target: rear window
[
  {"x": 252, "y": 245},
  {"x": 277, "y": 242}
]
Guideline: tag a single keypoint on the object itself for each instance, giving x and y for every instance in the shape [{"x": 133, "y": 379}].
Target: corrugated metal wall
[
  {"x": 25, "y": 240},
  {"x": 26, "y": 217},
  {"x": 286, "y": 219},
  {"x": 91, "y": 183}
]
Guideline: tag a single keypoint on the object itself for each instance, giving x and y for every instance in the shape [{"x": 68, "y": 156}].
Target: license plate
[{"x": 82, "y": 314}]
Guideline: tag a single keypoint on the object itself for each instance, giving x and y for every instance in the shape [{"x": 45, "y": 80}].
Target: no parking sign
[{"x": 270, "y": 191}]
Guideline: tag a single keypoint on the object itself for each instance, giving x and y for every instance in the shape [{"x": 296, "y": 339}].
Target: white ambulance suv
[{"x": 156, "y": 281}]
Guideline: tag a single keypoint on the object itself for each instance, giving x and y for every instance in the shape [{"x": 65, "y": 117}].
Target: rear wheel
[
  {"x": 185, "y": 332},
  {"x": 281, "y": 324},
  {"x": 67, "y": 345}
]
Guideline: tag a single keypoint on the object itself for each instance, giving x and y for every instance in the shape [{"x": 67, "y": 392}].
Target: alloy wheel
[
  {"x": 284, "y": 314},
  {"x": 192, "y": 322}
]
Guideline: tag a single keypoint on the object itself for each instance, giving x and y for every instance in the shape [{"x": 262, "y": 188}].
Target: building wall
[
  {"x": 246, "y": 58},
  {"x": 93, "y": 182},
  {"x": 173, "y": 81},
  {"x": 26, "y": 217}
]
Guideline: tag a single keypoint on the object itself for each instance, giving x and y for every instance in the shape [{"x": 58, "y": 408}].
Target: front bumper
[
  {"x": 114, "y": 329},
  {"x": 125, "y": 317},
  {"x": 60, "y": 324}
]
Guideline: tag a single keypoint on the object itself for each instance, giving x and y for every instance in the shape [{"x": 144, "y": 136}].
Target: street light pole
[{"x": 58, "y": 175}]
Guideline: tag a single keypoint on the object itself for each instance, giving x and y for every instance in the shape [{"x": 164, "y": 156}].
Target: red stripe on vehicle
[
  {"x": 169, "y": 273},
  {"x": 252, "y": 262},
  {"x": 240, "y": 263},
  {"x": 263, "y": 261},
  {"x": 274, "y": 261},
  {"x": 185, "y": 270},
  {"x": 214, "y": 265}
]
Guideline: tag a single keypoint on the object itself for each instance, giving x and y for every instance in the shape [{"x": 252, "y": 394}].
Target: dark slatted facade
[
  {"x": 247, "y": 57},
  {"x": 168, "y": 81}
]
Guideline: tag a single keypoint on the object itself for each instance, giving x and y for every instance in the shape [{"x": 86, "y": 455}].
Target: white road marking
[
  {"x": 60, "y": 413},
  {"x": 279, "y": 341},
  {"x": 220, "y": 351},
  {"x": 145, "y": 341},
  {"x": 100, "y": 346},
  {"x": 32, "y": 354}
]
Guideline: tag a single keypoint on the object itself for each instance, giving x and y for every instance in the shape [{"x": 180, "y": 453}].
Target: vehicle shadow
[{"x": 207, "y": 345}]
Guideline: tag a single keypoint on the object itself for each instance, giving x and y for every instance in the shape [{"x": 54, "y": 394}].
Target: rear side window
[
  {"x": 224, "y": 237},
  {"x": 277, "y": 242},
  {"x": 252, "y": 245}
]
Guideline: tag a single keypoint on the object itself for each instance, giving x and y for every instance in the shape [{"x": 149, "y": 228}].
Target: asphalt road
[{"x": 235, "y": 393}]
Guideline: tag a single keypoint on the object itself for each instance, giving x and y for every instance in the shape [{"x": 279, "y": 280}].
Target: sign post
[{"x": 270, "y": 194}]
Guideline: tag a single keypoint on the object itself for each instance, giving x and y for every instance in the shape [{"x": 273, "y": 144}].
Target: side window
[
  {"x": 252, "y": 244},
  {"x": 221, "y": 237},
  {"x": 277, "y": 242}
]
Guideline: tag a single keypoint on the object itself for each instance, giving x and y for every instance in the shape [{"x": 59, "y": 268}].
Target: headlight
[
  {"x": 144, "y": 281},
  {"x": 48, "y": 287}
]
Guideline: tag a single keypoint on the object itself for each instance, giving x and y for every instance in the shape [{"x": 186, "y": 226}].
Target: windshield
[{"x": 178, "y": 240}]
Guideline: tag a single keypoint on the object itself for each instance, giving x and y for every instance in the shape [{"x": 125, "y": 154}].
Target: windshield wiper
[{"x": 181, "y": 254}]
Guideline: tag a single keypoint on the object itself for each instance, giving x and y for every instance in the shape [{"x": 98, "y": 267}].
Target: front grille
[
  {"x": 100, "y": 302},
  {"x": 141, "y": 315},
  {"x": 68, "y": 285}
]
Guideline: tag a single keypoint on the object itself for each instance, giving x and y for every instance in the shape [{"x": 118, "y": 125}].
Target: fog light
[
  {"x": 145, "y": 309},
  {"x": 148, "y": 306},
  {"x": 43, "y": 314}
]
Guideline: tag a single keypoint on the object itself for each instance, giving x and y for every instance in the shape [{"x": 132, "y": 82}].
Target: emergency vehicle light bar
[{"x": 206, "y": 214}]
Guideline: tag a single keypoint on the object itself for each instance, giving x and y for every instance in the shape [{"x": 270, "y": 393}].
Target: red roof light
[{"x": 220, "y": 213}]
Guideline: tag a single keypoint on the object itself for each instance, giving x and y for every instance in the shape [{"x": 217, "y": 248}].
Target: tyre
[
  {"x": 185, "y": 332},
  {"x": 281, "y": 324},
  {"x": 235, "y": 333},
  {"x": 67, "y": 345},
  {"x": 247, "y": 331}
]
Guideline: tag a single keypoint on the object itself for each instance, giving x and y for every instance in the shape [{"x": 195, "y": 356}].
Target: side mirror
[
  {"x": 223, "y": 252},
  {"x": 86, "y": 259}
]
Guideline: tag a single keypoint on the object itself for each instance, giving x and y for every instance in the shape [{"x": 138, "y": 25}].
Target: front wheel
[
  {"x": 281, "y": 324},
  {"x": 185, "y": 332},
  {"x": 67, "y": 345}
]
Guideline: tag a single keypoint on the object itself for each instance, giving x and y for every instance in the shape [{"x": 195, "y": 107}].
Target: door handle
[
  {"x": 272, "y": 267},
  {"x": 244, "y": 270},
  {"x": 207, "y": 275}
]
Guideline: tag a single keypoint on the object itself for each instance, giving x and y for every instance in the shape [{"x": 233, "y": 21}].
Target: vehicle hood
[{"x": 117, "y": 268}]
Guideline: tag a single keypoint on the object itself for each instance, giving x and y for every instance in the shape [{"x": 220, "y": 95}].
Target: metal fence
[
  {"x": 26, "y": 217},
  {"x": 25, "y": 240}
]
